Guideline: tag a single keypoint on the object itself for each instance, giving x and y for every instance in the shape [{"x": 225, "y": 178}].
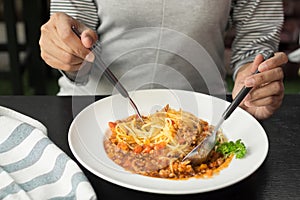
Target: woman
[{"x": 168, "y": 44}]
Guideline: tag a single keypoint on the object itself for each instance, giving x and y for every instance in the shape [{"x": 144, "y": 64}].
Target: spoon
[{"x": 202, "y": 150}]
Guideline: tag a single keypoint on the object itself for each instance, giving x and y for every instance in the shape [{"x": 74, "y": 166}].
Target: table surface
[{"x": 277, "y": 178}]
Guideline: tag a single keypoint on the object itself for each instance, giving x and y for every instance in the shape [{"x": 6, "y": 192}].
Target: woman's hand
[
  {"x": 268, "y": 89},
  {"x": 60, "y": 47}
]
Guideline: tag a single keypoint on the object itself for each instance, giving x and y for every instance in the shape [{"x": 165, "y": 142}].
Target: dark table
[{"x": 277, "y": 178}]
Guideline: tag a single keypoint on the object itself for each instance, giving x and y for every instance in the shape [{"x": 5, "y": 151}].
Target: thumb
[{"x": 88, "y": 36}]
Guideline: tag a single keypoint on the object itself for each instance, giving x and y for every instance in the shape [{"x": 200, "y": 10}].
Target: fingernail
[
  {"x": 249, "y": 82},
  {"x": 262, "y": 67},
  {"x": 90, "y": 57}
]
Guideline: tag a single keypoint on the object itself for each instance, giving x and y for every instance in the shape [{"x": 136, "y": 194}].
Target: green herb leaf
[{"x": 227, "y": 148}]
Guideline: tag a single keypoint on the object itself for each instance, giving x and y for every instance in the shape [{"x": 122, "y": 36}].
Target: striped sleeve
[
  {"x": 82, "y": 10},
  {"x": 258, "y": 24}
]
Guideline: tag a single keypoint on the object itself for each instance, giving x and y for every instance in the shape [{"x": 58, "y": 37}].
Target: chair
[{"x": 34, "y": 14}]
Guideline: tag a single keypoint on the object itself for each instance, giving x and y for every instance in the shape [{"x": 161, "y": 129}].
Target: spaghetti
[{"x": 156, "y": 146}]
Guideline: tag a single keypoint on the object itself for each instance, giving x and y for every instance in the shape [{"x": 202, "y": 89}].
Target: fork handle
[
  {"x": 105, "y": 70},
  {"x": 241, "y": 95}
]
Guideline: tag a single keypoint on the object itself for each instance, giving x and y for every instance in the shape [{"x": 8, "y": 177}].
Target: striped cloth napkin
[{"x": 33, "y": 167}]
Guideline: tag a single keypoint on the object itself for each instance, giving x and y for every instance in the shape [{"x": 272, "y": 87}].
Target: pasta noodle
[{"x": 156, "y": 146}]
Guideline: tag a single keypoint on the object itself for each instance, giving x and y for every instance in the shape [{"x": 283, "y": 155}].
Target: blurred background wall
[{"x": 23, "y": 72}]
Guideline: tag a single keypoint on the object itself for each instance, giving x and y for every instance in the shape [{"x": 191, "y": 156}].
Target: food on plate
[
  {"x": 229, "y": 148},
  {"x": 156, "y": 146}
]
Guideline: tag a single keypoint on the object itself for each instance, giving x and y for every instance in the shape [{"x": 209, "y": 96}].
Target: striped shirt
[{"x": 257, "y": 25}]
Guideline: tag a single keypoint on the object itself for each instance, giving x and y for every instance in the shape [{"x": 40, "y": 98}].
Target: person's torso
[{"x": 163, "y": 43}]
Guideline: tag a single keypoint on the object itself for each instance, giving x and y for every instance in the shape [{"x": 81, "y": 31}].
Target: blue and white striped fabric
[{"x": 33, "y": 167}]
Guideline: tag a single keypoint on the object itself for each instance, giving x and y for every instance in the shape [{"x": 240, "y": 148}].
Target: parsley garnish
[{"x": 227, "y": 148}]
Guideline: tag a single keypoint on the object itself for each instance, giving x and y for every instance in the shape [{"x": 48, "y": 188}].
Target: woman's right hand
[{"x": 60, "y": 46}]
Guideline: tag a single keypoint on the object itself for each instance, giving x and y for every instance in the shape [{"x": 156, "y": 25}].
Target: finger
[
  {"x": 90, "y": 57},
  {"x": 56, "y": 63},
  {"x": 264, "y": 108},
  {"x": 56, "y": 51},
  {"x": 256, "y": 80},
  {"x": 72, "y": 45},
  {"x": 68, "y": 39},
  {"x": 50, "y": 48},
  {"x": 258, "y": 59},
  {"x": 270, "y": 101},
  {"x": 273, "y": 88},
  {"x": 88, "y": 38},
  {"x": 279, "y": 59}
]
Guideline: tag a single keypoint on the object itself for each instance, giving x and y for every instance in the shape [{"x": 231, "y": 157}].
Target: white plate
[{"x": 87, "y": 131}]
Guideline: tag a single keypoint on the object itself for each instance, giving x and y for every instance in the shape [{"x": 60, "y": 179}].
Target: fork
[
  {"x": 111, "y": 77},
  {"x": 202, "y": 150}
]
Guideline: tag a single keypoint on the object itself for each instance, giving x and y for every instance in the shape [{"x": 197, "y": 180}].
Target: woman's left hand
[{"x": 268, "y": 89}]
